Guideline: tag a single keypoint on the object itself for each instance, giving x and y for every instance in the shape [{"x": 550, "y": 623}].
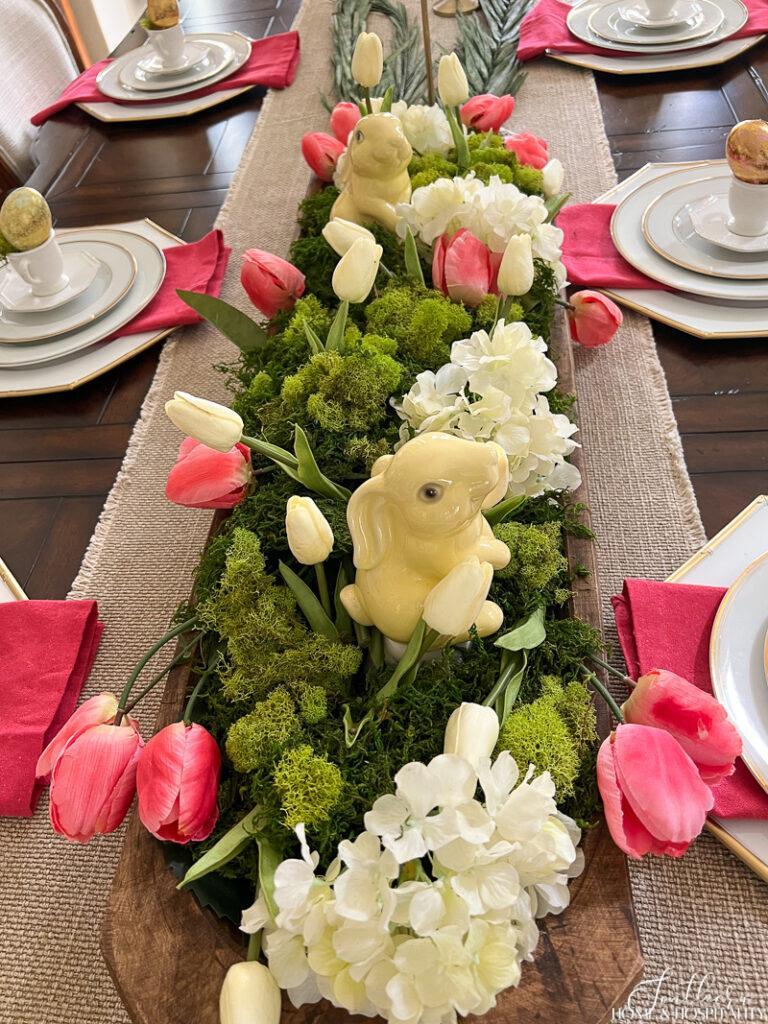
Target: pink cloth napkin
[
  {"x": 48, "y": 648},
  {"x": 589, "y": 255},
  {"x": 544, "y": 28},
  {"x": 272, "y": 64},
  {"x": 668, "y": 625},
  {"x": 197, "y": 267}
]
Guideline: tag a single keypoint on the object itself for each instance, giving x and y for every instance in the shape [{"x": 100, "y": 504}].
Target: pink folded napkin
[
  {"x": 668, "y": 625},
  {"x": 544, "y": 28},
  {"x": 272, "y": 64},
  {"x": 48, "y": 648},
  {"x": 589, "y": 255},
  {"x": 197, "y": 267}
]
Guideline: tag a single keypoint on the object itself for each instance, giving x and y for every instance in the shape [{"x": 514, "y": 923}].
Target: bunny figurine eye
[
  {"x": 359, "y": 136},
  {"x": 431, "y": 492}
]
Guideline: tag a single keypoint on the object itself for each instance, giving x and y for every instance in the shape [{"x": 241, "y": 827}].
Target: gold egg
[
  {"x": 163, "y": 13},
  {"x": 25, "y": 219},
  {"x": 747, "y": 151}
]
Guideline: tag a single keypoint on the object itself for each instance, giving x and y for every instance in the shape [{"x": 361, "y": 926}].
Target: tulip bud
[
  {"x": 208, "y": 422},
  {"x": 552, "y": 177},
  {"x": 341, "y": 234},
  {"x": 453, "y": 605},
  {"x": 98, "y": 710},
  {"x": 471, "y": 732},
  {"x": 249, "y": 995},
  {"x": 356, "y": 271},
  {"x": 368, "y": 60},
  {"x": 344, "y": 117},
  {"x": 310, "y": 536},
  {"x": 452, "y": 81},
  {"x": 515, "y": 275},
  {"x": 593, "y": 319},
  {"x": 322, "y": 153},
  {"x": 272, "y": 283}
]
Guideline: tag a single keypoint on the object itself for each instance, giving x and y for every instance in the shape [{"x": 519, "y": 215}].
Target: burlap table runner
[{"x": 706, "y": 914}]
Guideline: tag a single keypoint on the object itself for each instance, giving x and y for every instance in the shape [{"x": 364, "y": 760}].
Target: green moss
[
  {"x": 315, "y": 210},
  {"x": 255, "y": 740},
  {"x": 536, "y": 734},
  {"x": 423, "y": 322},
  {"x": 484, "y": 140},
  {"x": 485, "y": 313},
  {"x": 529, "y": 180},
  {"x": 486, "y": 171},
  {"x": 536, "y": 558},
  {"x": 574, "y": 705},
  {"x": 317, "y": 261},
  {"x": 431, "y": 165},
  {"x": 309, "y": 787},
  {"x": 539, "y": 303},
  {"x": 313, "y": 702}
]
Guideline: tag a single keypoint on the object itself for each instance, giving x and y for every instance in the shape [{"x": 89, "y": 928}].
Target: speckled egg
[
  {"x": 163, "y": 13},
  {"x": 747, "y": 151},
  {"x": 25, "y": 219}
]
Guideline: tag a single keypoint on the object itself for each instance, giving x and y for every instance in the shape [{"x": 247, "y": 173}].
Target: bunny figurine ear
[
  {"x": 502, "y": 485},
  {"x": 381, "y": 464},
  {"x": 369, "y": 521}
]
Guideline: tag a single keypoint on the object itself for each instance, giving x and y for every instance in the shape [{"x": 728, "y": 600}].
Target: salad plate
[
  {"x": 711, "y": 215},
  {"x": 607, "y": 22},
  {"x": 638, "y": 14},
  {"x": 80, "y": 268},
  {"x": 151, "y": 62},
  {"x": 216, "y": 56}
]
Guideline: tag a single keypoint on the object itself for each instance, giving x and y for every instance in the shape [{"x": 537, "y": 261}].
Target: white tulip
[
  {"x": 471, "y": 732},
  {"x": 516, "y": 269},
  {"x": 552, "y": 177},
  {"x": 452, "y": 81},
  {"x": 454, "y": 604},
  {"x": 310, "y": 536},
  {"x": 368, "y": 60},
  {"x": 356, "y": 270},
  {"x": 341, "y": 234},
  {"x": 249, "y": 995},
  {"x": 209, "y": 423}
]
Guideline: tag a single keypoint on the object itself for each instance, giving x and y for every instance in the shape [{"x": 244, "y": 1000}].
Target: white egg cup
[
  {"x": 168, "y": 44},
  {"x": 659, "y": 10},
  {"x": 42, "y": 268},
  {"x": 748, "y": 203}
]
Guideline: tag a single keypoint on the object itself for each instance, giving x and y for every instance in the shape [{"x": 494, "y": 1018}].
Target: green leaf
[
  {"x": 281, "y": 456},
  {"x": 308, "y": 472},
  {"x": 226, "y": 897},
  {"x": 525, "y": 635},
  {"x": 555, "y": 204},
  {"x": 504, "y": 510},
  {"x": 409, "y": 658},
  {"x": 314, "y": 342},
  {"x": 269, "y": 858},
  {"x": 228, "y": 847},
  {"x": 313, "y": 610},
  {"x": 412, "y": 261},
  {"x": 514, "y": 664},
  {"x": 352, "y": 731},
  {"x": 335, "y": 340},
  {"x": 343, "y": 619},
  {"x": 459, "y": 140},
  {"x": 233, "y": 323},
  {"x": 386, "y": 101}
]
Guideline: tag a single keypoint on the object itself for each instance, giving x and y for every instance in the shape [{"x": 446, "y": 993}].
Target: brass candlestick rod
[{"x": 427, "y": 52}]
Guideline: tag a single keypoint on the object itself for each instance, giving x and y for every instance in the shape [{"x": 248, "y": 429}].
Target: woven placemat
[{"x": 704, "y": 915}]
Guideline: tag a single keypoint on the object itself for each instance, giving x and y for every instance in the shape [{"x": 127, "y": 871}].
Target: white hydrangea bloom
[
  {"x": 426, "y": 128},
  {"x": 435, "y": 399},
  {"x": 510, "y": 360}
]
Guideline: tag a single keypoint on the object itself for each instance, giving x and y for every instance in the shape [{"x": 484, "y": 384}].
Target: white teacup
[
  {"x": 169, "y": 46},
  {"x": 659, "y": 10},
  {"x": 42, "y": 268},
  {"x": 748, "y": 203}
]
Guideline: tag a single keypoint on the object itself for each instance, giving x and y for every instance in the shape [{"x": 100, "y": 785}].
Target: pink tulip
[
  {"x": 462, "y": 268},
  {"x": 272, "y": 283},
  {"x": 204, "y": 478},
  {"x": 344, "y": 117},
  {"x": 93, "y": 781},
  {"x": 530, "y": 149},
  {"x": 98, "y": 710},
  {"x": 177, "y": 782},
  {"x": 322, "y": 152},
  {"x": 698, "y": 722},
  {"x": 594, "y": 319},
  {"x": 654, "y": 799},
  {"x": 486, "y": 112}
]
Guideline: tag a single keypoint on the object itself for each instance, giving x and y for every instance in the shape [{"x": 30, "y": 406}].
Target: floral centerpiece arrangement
[{"x": 388, "y": 754}]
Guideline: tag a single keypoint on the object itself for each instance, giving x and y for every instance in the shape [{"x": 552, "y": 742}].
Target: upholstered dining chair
[{"x": 37, "y": 62}]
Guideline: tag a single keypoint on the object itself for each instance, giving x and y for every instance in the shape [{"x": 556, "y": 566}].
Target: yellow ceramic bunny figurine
[
  {"x": 374, "y": 172},
  {"x": 418, "y": 516}
]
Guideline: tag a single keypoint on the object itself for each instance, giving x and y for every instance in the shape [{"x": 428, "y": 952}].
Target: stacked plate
[
  {"x": 113, "y": 274},
  {"x": 635, "y": 37}
]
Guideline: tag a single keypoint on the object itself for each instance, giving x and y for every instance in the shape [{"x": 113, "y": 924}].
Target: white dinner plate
[
  {"x": 652, "y": 64},
  {"x": 215, "y": 57},
  {"x": 607, "y": 22},
  {"x": 737, "y": 663},
  {"x": 734, "y": 17},
  {"x": 710, "y": 216},
  {"x": 110, "y": 85},
  {"x": 636, "y": 14},
  {"x": 114, "y": 277},
  {"x": 79, "y": 266},
  {"x": 150, "y": 263},
  {"x": 669, "y": 229},
  {"x": 627, "y": 235}
]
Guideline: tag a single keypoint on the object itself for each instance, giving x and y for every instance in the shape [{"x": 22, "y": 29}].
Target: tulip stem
[
  {"x": 630, "y": 683},
  {"x": 204, "y": 677},
  {"x": 564, "y": 303},
  {"x": 180, "y": 657},
  {"x": 322, "y": 586},
  {"x": 602, "y": 690},
  {"x": 367, "y": 99},
  {"x": 182, "y": 627}
]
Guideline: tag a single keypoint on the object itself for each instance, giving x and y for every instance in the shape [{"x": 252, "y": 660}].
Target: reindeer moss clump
[
  {"x": 309, "y": 787},
  {"x": 256, "y": 739},
  {"x": 423, "y": 322}
]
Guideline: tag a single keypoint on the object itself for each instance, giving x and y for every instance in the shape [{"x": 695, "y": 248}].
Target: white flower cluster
[
  {"x": 492, "y": 391},
  {"x": 379, "y": 936},
  {"x": 493, "y": 213}
]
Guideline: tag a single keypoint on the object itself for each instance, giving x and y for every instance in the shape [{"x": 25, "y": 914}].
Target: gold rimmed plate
[{"x": 670, "y": 231}]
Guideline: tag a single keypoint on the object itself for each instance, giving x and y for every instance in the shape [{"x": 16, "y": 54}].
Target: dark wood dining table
[{"x": 59, "y": 454}]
